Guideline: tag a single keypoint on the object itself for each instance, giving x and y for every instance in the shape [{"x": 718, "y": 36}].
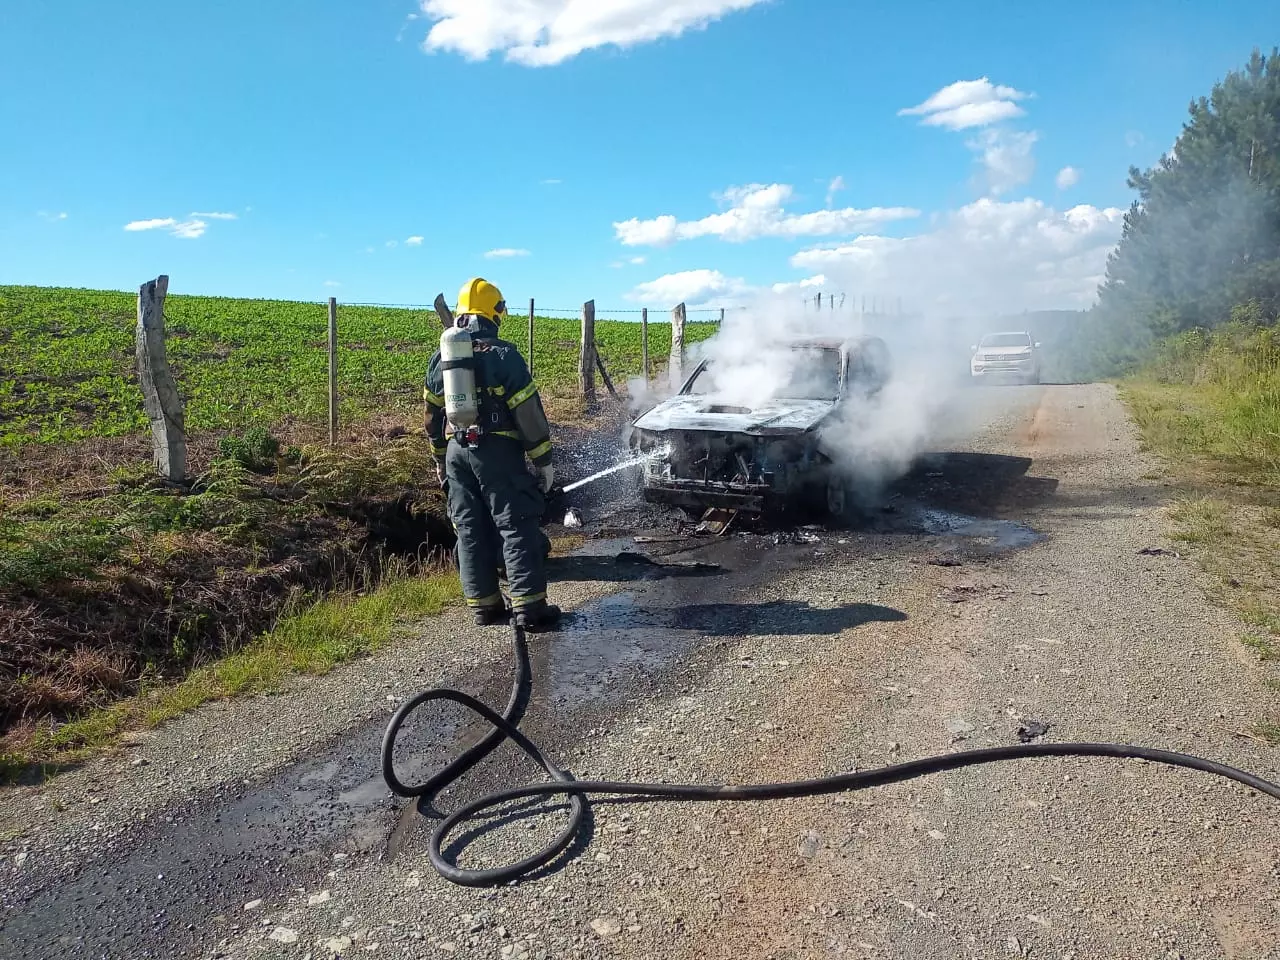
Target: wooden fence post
[
  {"x": 644, "y": 344},
  {"x": 675, "y": 364},
  {"x": 159, "y": 391},
  {"x": 531, "y": 337},
  {"x": 587, "y": 353},
  {"x": 333, "y": 371}
]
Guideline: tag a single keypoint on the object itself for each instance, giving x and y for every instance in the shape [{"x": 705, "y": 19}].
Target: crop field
[{"x": 68, "y": 361}]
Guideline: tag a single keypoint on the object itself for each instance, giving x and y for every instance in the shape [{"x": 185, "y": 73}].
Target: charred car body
[{"x": 709, "y": 452}]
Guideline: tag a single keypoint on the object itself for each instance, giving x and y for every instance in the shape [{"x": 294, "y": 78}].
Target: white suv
[{"x": 1012, "y": 355}]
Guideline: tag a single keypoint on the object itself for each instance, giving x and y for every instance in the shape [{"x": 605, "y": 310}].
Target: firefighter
[{"x": 495, "y": 503}]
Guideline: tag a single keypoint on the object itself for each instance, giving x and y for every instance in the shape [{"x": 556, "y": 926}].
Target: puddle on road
[
  {"x": 998, "y": 535},
  {"x": 614, "y": 637},
  {"x": 606, "y": 547}
]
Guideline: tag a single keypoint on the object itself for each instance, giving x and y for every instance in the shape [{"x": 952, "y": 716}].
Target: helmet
[{"x": 481, "y": 298}]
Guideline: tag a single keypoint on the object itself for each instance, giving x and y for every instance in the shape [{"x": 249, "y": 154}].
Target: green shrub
[{"x": 256, "y": 449}]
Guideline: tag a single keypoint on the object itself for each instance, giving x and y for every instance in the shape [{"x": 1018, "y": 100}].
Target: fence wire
[{"x": 840, "y": 305}]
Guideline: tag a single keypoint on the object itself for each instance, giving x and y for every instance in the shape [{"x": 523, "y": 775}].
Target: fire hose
[{"x": 504, "y": 726}]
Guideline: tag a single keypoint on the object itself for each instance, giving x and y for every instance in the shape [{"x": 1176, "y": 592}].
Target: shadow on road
[
  {"x": 779, "y": 618},
  {"x": 975, "y": 483}
]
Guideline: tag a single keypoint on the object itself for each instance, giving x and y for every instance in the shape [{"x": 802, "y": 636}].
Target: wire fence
[
  {"x": 656, "y": 314},
  {"x": 867, "y": 306}
]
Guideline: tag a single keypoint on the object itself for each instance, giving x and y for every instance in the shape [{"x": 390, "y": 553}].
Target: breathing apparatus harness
[
  {"x": 505, "y": 726},
  {"x": 465, "y": 409}
]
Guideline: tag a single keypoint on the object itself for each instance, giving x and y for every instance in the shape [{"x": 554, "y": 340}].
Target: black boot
[
  {"x": 491, "y": 616},
  {"x": 540, "y": 617}
]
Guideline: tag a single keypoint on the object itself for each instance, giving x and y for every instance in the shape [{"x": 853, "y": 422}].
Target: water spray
[{"x": 655, "y": 454}]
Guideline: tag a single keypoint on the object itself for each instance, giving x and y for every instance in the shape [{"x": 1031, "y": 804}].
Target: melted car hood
[{"x": 708, "y": 413}]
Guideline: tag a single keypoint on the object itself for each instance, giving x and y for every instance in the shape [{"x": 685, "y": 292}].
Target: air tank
[{"x": 457, "y": 363}]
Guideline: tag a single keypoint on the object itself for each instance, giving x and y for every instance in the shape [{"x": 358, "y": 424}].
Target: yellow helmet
[{"x": 481, "y": 298}]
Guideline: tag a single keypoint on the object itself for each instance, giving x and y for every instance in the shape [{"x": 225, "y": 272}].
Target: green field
[{"x": 68, "y": 361}]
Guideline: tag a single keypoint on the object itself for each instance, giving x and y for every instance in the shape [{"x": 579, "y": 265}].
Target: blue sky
[{"x": 631, "y": 151}]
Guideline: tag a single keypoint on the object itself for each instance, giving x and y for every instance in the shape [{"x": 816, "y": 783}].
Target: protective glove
[
  {"x": 548, "y": 478},
  {"x": 440, "y": 474}
]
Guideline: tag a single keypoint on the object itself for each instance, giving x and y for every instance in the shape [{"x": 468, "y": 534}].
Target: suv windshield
[{"x": 1006, "y": 340}]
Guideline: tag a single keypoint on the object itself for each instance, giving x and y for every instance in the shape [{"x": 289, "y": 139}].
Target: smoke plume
[{"x": 872, "y": 440}]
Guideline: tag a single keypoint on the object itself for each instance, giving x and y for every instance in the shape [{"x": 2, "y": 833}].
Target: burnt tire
[{"x": 837, "y": 499}]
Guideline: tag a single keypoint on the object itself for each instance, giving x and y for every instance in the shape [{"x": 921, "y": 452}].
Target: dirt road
[{"x": 261, "y": 828}]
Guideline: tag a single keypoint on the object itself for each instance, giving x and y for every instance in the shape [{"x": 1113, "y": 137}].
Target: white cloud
[
  {"x": 755, "y": 211},
  {"x": 630, "y": 261},
  {"x": 332, "y": 283},
  {"x": 404, "y": 26},
  {"x": 156, "y": 224},
  {"x": 989, "y": 256},
  {"x": 658, "y": 232},
  {"x": 189, "y": 229},
  {"x": 1006, "y": 157},
  {"x": 1133, "y": 138},
  {"x": 694, "y": 288},
  {"x": 539, "y": 33},
  {"x": 391, "y": 244},
  {"x": 809, "y": 283},
  {"x": 505, "y": 253},
  {"x": 414, "y": 241},
  {"x": 214, "y": 216},
  {"x": 1067, "y": 178},
  {"x": 968, "y": 103},
  {"x": 833, "y": 188},
  {"x": 51, "y": 217},
  {"x": 637, "y": 261},
  {"x": 551, "y": 182},
  {"x": 183, "y": 229}
]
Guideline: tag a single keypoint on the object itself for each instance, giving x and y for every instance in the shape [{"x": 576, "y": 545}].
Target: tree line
[{"x": 1200, "y": 247}]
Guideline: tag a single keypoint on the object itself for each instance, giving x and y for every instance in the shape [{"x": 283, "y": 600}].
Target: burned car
[{"x": 746, "y": 434}]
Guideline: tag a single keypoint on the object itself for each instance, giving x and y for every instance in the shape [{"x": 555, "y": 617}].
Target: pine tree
[{"x": 1204, "y": 234}]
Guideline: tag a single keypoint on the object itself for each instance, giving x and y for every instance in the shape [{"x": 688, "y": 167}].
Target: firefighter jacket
[{"x": 508, "y": 398}]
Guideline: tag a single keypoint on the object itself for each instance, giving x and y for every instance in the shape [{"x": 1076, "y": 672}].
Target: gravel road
[{"x": 261, "y": 828}]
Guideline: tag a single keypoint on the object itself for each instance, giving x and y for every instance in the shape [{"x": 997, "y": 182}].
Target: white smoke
[{"x": 873, "y": 441}]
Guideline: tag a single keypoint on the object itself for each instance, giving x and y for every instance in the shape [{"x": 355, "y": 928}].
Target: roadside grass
[
  {"x": 1265, "y": 647},
  {"x": 1208, "y": 405},
  {"x": 1269, "y": 732},
  {"x": 1203, "y": 520},
  {"x": 131, "y": 583},
  {"x": 310, "y": 639}
]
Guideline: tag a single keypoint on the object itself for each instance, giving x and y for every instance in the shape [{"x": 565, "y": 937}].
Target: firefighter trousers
[{"x": 496, "y": 508}]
